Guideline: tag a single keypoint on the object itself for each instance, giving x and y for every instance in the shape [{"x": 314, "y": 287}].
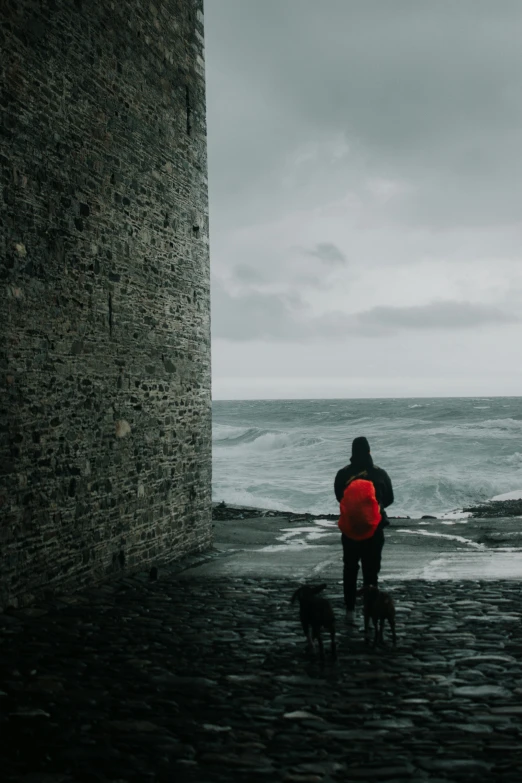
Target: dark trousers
[{"x": 369, "y": 553}]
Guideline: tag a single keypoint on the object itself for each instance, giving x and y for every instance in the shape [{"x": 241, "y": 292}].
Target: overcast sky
[{"x": 365, "y": 177}]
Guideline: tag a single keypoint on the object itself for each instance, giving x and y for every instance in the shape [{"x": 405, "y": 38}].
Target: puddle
[
  {"x": 327, "y": 523},
  {"x": 470, "y": 565},
  {"x": 292, "y": 546},
  {"x": 302, "y": 536},
  {"x": 445, "y": 536},
  {"x": 444, "y": 521}
]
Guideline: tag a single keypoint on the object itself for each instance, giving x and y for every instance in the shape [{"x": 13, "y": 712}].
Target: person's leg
[
  {"x": 350, "y": 571},
  {"x": 371, "y": 558}
]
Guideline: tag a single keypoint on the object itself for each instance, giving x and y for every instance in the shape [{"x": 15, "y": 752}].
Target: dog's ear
[
  {"x": 295, "y": 596},
  {"x": 319, "y": 588}
]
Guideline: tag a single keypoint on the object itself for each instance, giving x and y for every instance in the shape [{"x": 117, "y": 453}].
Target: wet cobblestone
[{"x": 206, "y": 680}]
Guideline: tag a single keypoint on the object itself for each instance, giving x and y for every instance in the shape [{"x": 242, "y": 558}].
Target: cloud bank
[
  {"x": 256, "y": 315},
  {"x": 365, "y": 176}
]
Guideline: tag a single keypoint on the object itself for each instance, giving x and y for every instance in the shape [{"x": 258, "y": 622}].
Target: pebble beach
[{"x": 203, "y": 675}]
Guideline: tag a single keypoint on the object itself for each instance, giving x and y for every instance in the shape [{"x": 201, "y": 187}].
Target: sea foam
[{"x": 441, "y": 454}]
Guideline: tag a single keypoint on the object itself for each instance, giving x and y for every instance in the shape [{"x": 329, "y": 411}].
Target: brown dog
[
  {"x": 378, "y": 607},
  {"x": 315, "y": 613}
]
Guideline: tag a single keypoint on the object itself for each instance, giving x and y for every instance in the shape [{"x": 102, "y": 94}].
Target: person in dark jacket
[{"x": 368, "y": 552}]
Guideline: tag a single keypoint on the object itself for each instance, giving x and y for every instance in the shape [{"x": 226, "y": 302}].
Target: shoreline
[
  {"x": 251, "y": 543},
  {"x": 491, "y": 509}
]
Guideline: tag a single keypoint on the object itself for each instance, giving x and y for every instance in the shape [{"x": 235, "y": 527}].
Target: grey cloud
[
  {"x": 394, "y": 128},
  {"x": 426, "y": 91},
  {"x": 327, "y": 252},
  {"x": 252, "y": 316},
  {"x": 247, "y": 274},
  {"x": 395, "y": 72},
  {"x": 437, "y": 315},
  {"x": 311, "y": 281},
  {"x": 287, "y": 274},
  {"x": 256, "y": 315}
]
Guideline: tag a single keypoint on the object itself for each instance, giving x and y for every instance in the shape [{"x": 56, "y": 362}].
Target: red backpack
[{"x": 360, "y": 511}]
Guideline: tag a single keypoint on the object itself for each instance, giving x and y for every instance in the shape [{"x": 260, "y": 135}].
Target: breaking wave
[
  {"x": 263, "y": 440},
  {"x": 440, "y": 454}
]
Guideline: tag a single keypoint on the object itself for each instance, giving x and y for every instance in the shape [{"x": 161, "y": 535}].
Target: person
[{"x": 368, "y": 550}]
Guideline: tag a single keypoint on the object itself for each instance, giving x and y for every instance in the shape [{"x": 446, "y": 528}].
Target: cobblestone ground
[{"x": 183, "y": 679}]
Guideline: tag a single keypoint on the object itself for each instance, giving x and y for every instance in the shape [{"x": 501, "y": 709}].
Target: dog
[
  {"x": 378, "y": 607},
  {"x": 315, "y": 612}
]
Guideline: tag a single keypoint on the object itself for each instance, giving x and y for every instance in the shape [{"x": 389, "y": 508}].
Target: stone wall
[{"x": 105, "y": 418}]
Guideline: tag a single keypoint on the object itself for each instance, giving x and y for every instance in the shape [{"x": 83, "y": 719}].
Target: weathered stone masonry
[{"x": 105, "y": 419}]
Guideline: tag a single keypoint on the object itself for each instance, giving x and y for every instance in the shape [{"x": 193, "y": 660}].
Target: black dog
[
  {"x": 315, "y": 613},
  {"x": 378, "y": 607}
]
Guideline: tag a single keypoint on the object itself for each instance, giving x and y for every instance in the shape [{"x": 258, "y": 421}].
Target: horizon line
[{"x": 396, "y": 397}]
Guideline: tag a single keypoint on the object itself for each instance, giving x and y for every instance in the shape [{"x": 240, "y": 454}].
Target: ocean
[{"x": 441, "y": 454}]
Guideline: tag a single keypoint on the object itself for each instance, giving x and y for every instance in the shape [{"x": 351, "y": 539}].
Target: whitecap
[
  {"x": 225, "y": 434},
  {"x": 501, "y": 424},
  {"x": 456, "y": 514},
  {"x": 516, "y": 494},
  {"x": 264, "y": 440},
  {"x": 441, "y": 459}
]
